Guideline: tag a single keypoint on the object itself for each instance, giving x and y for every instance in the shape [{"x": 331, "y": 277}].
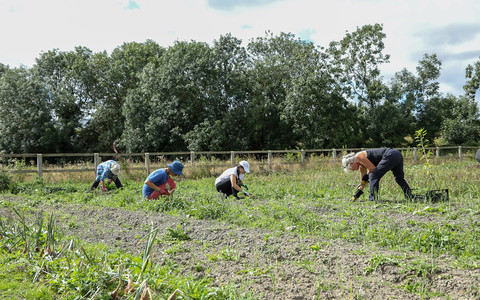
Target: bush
[{"x": 5, "y": 181}]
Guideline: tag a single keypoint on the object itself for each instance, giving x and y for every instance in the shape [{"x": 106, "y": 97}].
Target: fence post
[
  {"x": 269, "y": 159},
  {"x": 437, "y": 152},
  {"x": 415, "y": 155},
  {"x": 39, "y": 165},
  {"x": 302, "y": 155},
  {"x": 460, "y": 158},
  {"x": 192, "y": 158},
  {"x": 334, "y": 155},
  {"x": 232, "y": 158},
  {"x": 147, "y": 162},
  {"x": 96, "y": 160}
]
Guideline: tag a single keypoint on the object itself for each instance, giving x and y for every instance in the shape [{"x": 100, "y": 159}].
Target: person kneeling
[
  {"x": 156, "y": 183},
  {"x": 231, "y": 180}
]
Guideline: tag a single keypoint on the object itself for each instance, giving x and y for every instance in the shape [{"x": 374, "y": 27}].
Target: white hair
[{"x": 347, "y": 160}]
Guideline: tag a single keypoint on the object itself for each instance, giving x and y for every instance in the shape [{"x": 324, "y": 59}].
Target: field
[{"x": 299, "y": 238}]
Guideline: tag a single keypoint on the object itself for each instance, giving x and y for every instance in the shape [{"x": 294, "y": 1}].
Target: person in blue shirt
[
  {"x": 109, "y": 169},
  {"x": 372, "y": 165},
  {"x": 156, "y": 183}
]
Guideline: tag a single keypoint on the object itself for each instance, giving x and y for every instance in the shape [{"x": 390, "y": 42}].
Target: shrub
[{"x": 5, "y": 181}]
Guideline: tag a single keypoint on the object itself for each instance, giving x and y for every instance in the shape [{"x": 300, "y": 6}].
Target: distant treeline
[{"x": 277, "y": 92}]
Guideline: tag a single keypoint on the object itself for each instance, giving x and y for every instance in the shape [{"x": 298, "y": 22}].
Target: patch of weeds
[
  {"x": 379, "y": 260},
  {"x": 177, "y": 233},
  {"x": 213, "y": 257},
  {"x": 307, "y": 265},
  {"x": 176, "y": 248},
  {"x": 229, "y": 254}
]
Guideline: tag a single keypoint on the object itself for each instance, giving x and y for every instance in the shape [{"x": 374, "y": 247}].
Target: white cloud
[{"x": 32, "y": 26}]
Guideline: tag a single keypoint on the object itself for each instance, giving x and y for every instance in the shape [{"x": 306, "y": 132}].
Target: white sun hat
[
  {"x": 245, "y": 165},
  {"x": 115, "y": 168}
]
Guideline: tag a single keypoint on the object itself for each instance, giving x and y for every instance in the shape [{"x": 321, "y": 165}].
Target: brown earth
[{"x": 271, "y": 265}]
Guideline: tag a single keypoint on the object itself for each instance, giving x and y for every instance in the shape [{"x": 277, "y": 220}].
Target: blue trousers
[{"x": 392, "y": 160}]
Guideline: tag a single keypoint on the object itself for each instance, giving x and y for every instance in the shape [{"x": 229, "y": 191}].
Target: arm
[
  {"x": 233, "y": 180},
  {"x": 365, "y": 164},
  {"x": 152, "y": 185}
]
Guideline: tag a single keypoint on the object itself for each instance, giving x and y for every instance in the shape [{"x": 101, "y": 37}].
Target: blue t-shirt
[
  {"x": 158, "y": 177},
  {"x": 103, "y": 171}
]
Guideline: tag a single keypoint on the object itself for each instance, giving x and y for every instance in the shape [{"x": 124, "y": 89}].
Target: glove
[
  {"x": 103, "y": 188},
  {"x": 246, "y": 193},
  {"x": 245, "y": 186},
  {"x": 358, "y": 193},
  {"x": 365, "y": 178}
]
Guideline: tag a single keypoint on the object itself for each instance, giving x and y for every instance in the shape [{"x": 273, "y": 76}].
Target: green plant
[
  {"x": 5, "y": 182},
  {"x": 177, "y": 233},
  {"x": 422, "y": 143}
]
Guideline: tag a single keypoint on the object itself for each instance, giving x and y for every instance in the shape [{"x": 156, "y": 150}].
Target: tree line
[{"x": 277, "y": 92}]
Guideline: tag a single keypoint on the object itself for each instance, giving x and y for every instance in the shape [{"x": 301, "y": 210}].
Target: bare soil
[{"x": 271, "y": 265}]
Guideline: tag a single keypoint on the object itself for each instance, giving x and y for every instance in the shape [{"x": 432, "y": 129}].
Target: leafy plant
[
  {"x": 177, "y": 233},
  {"x": 422, "y": 143}
]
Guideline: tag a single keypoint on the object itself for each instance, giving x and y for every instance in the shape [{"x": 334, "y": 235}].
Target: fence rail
[{"x": 331, "y": 155}]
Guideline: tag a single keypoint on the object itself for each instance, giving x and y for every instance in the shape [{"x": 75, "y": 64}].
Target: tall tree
[
  {"x": 463, "y": 125},
  {"x": 70, "y": 82},
  {"x": 25, "y": 120},
  {"x": 172, "y": 97},
  {"x": 472, "y": 74},
  {"x": 276, "y": 61},
  {"x": 225, "y": 126},
  {"x": 117, "y": 75},
  {"x": 320, "y": 117},
  {"x": 357, "y": 58}
]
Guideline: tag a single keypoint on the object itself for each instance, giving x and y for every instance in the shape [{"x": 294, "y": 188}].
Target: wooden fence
[{"x": 301, "y": 157}]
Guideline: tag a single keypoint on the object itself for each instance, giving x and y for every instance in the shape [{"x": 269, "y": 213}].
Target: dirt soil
[{"x": 271, "y": 265}]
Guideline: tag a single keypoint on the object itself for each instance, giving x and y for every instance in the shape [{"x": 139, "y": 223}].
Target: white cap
[
  {"x": 115, "y": 168},
  {"x": 245, "y": 165}
]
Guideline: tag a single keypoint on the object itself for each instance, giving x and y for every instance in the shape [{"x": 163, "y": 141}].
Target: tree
[
  {"x": 225, "y": 127},
  {"x": 357, "y": 58},
  {"x": 25, "y": 121},
  {"x": 463, "y": 126},
  {"x": 417, "y": 98},
  {"x": 472, "y": 85},
  {"x": 70, "y": 82},
  {"x": 174, "y": 94},
  {"x": 117, "y": 76},
  {"x": 276, "y": 62},
  {"x": 320, "y": 117}
]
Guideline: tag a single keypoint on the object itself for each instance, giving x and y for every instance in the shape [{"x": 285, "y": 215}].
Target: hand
[
  {"x": 246, "y": 193},
  {"x": 244, "y": 185},
  {"x": 365, "y": 179},
  {"x": 358, "y": 193},
  {"x": 103, "y": 188}
]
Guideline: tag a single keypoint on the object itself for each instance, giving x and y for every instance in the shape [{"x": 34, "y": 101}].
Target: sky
[{"x": 448, "y": 28}]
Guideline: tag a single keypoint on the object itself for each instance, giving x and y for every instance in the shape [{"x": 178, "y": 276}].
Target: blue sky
[{"x": 449, "y": 28}]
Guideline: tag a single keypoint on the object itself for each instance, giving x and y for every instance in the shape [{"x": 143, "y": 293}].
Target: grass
[{"x": 310, "y": 203}]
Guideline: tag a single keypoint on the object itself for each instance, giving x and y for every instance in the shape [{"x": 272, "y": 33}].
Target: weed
[{"x": 177, "y": 233}]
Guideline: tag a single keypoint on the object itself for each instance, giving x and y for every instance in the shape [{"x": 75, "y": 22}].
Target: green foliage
[
  {"x": 463, "y": 125},
  {"x": 41, "y": 264},
  {"x": 420, "y": 138},
  {"x": 278, "y": 92},
  {"x": 5, "y": 182},
  {"x": 472, "y": 73},
  {"x": 26, "y": 123}
]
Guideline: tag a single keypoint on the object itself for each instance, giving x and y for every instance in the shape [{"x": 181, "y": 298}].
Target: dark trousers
[
  {"x": 117, "y": 183},
  {"x": 392, "y": 160},
  {"x": 225, "y": 186}
]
